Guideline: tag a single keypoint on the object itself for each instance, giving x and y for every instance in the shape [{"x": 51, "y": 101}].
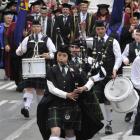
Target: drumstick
[
  {"x": 40, "y": 55},
  {"x": 113, "y": 82}
]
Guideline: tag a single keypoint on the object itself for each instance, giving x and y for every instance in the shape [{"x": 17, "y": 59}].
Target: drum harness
[
  {"x": 58, "y": 35},
  {"x": 35, "y": 54}
]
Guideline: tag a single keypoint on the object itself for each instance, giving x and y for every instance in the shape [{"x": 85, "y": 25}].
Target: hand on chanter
[
  {"x": 80, "y": 89},
  {"x": 72, "y": 96}
]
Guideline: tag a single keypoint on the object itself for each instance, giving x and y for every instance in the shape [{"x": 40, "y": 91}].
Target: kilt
[
  {"x": 37, "y": 83},
  {"x": 65, "y": 117},
  {"x": 89, "y": 124},
  {"x": 98, "y": 90}
]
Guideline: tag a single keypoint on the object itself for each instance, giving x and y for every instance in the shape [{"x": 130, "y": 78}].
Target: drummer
[
  {"x": 46, "y": 49},
  {"x": 135, "y": 78},
  {"x": 106, "y": 51},
  {"x": 129, "y": 54},
  {"x": 131, "y": 50}
]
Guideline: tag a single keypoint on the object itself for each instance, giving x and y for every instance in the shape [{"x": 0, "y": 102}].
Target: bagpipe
[
  {"x": 90, "y": 65},
  {"x": 91, "y": 68},
  {"x": 58, "y": 35}
]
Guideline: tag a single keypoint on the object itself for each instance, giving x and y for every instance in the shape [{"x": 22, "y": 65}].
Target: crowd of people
[{"x": 80, "y": 59}]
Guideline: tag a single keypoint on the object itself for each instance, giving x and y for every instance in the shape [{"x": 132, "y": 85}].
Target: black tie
[
  {"x": 63, "y": 70},
  {"x": 36, "y": 38},
  {"x": 43, "y": 25},
  {"x": 65, "y": 19},
  {"x": 138, "y": 46},
  {"x": 76, "y": 60},
  {"x": 100, "y": 43},
  {"x": 36, "y": 17}
]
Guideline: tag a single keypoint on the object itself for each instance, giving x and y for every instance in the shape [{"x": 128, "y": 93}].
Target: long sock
[
  {"x": 108, "y": 111},
  {"x": 27, "y": 98},
  {"x": 134, "y": 115},
  {"x": 54, "y": 138},
  {"x": 70, "y": 138},
  {"x": 39, "y": 97}
]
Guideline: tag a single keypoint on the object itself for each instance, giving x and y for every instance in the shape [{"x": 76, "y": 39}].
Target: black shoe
[
  {"x": 25, "y": 112},
  {"x": 108, "y": 130},
  {"x": 128, "y": 116}
]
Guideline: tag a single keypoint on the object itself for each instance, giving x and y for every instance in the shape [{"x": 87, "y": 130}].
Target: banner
[{"x": 22, "y": 8}]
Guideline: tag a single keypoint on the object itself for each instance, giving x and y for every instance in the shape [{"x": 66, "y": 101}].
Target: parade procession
[{"x": 69, "y": 69}]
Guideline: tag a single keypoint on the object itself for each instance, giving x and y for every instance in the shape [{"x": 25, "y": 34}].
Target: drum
[
  {"x": 121, "y": 94},
  {"x": 33, "y": 68},
  {"x": 127, "y": 71},
  {"x": 89, "y": 42}
]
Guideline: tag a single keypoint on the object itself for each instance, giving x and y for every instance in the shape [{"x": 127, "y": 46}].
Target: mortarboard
[
  {"x": 11, "y": 3},
  {"x": 100, "y": 23},
  {"x": 84, "y": 2},
  {"x": 101, "y": 6},
  {"x": 36, "y": 22},
  {"x": 136, "y": 14},
  {"x": 56, "y": 11},
  {"x": 35, "y": 3},
  {"x": 8, "y": 12},
  {"x": 66, "y": 5}
]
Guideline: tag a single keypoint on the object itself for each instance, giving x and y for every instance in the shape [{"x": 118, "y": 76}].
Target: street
[{"x": 13, "y": 126}]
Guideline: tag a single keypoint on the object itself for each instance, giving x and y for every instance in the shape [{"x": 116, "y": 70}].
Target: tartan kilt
[
  {"x": 89, "y": 104},
  {"x": 65, "y": 117},
  {"x": 37, "y": 83},
  {"x": 98, "y": 90}
]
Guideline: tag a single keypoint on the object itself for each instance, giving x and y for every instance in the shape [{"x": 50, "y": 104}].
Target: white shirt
[
  {"x": 62, "y": 94},
  {"x": 125, "y": 53},
  {"x": 23, "y": 46},
  {"x": 135, "y": 73},
  {"x": 83, "y": 16},
  {"x": 36, "y": 16},
  {"x": 56, "y": 91}
]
